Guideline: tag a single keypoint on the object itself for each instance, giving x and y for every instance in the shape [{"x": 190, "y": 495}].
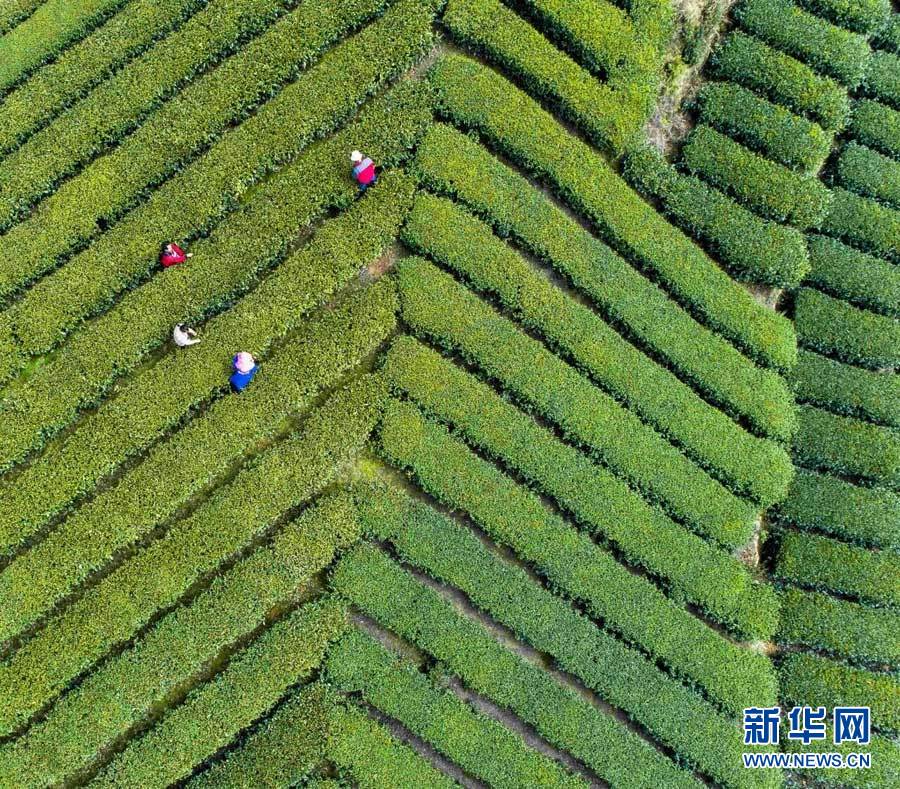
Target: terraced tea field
[{"x": 563, "y": 450}]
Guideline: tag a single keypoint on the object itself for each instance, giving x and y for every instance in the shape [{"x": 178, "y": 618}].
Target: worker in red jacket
[
  {"x": 363, "y": 170},
  {"x": 172, "y": 255}
]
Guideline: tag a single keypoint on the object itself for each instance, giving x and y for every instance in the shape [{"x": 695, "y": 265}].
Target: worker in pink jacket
[{"x": 363, "y": 170}]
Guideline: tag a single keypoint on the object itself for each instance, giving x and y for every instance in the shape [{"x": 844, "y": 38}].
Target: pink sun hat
[{"x": 243, "y": 362}]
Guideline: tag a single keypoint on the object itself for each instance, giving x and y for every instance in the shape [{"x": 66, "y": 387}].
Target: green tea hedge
[
  {"x": 451, "y": 163},
  {"x": 150, "y": 404},
  {"x": 380, "y": 588},
  {"x": 888, "y": 35},
  {"x": 151, "y": 494},
  {"x": 752, "y": 248},
  {"x": 477, "y": 98},
  {"x": 883, "y": 78},
  {"x": 831, "y": 566},
  {"x": 832, "y": 50},
  {"x": 479, "y": 744},
  {"x": 876, "y": 125},
  {"x": 610, "y": 118},
  {"x": 575, "y": 565},
  {"x": 691, "y": 568},
  {"x": 767, "y": 188},
  {"x": 52, "y": 26},
  {"x": 839, "y": 628},
  {"x": 834, "y": 327},
  {"x": 809, "y": 679},
  {"x": 220, "y": 271},
  {"x": 319, "y": 102},
  {"x": 865, "y": 280},
  {"x": 449, "y": 235},
  {"x": 605, "y": 38},
  {"x": 869, "y": 173},
  {"x": 768, "y": 128},
  {"x": 555, "y": 390},
  {"x": 861, "y": 16},
  {"x": 824, "y": 503},
  {"x": 134, "y": 683},
  {"x": 281, "y": 750},
  {"x": 621, "y": 675},
  {"x": 114, "y": 110},
  {"x": 218, "y": 710},
  {"x": 848, "y": 446},
  {"x": 14, "y": 12},
  {"x": 749, "y": 62},
  {"x": 155, "y": 576},
  {"x": 82, "y": 67},
  {"x": 366, "y": 750},
  {"x": 846, "y": 389}
]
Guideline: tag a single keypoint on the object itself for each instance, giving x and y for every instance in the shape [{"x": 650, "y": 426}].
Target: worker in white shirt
[{"x": 183, "y": 335}]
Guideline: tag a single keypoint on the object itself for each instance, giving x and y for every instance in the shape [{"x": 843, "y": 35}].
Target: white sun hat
[
  {"x": 356, "y": 157},
  {"x": 243, "y": 362}
]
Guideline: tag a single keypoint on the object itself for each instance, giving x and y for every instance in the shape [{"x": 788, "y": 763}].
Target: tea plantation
[{"x": 565, "y": 446}]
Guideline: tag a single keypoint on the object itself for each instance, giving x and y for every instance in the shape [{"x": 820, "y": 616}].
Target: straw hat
[
  {"x": 243, "y": 362},
  {"x": 356, "y": 157}
]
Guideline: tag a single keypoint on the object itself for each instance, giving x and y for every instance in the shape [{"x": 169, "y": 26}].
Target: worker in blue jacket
[{"x": 245, "y": 368}]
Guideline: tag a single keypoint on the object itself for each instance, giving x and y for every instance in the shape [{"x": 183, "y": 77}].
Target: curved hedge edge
[
  {"x": 876, "y": 125},
  {"x": 869, "y": 174},
  {"x": 847, "y": 390},
  {"x": 888, "y": 36},
  {"x": 867, "y": 516},
  {"x": 196, "y": 81},
  {"x": 855, "y": 276},
  {"x": 750, "y": 247},
  {"x": 882, "y": 80},
  {"x": 831, "y": 566}
]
